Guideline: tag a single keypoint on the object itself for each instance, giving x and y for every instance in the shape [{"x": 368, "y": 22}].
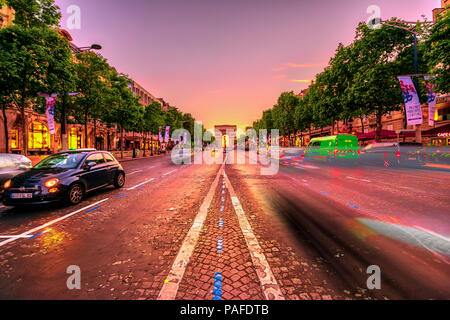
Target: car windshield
[{"x": 62, "y": 161}]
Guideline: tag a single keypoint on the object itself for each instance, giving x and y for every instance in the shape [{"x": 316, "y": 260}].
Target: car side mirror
[{"x": 90, "y": 164}]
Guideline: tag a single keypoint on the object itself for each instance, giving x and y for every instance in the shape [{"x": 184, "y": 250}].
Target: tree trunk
[
  {"x": 121, "y": 142},
  {"x": 378, "y": 132},
  {"x": 86, "y": 130},
  {"x": 5, "y": 125},
  {"x": 24, "y": 127},
  {"x": 95, "y": 134},
  {"x": 151, "y": 145},
  {"x": 145, "y": 140},
  {"x": 362, "y": 122}
]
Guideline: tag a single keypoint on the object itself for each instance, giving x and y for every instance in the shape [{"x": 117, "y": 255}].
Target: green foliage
[
  {"x": 34, "y": 13},
  {"x": 437, "y": 50},
  {"x": 153, "y": 117},
  {"x": 92, "y": 72},
  {"x": 282, "y": 113}
]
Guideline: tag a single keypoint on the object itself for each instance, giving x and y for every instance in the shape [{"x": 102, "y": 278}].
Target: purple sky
[{"x": 225, "y": 61}]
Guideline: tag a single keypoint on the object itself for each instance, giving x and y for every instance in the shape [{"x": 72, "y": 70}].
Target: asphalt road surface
[{"x": 227, "y": 232}]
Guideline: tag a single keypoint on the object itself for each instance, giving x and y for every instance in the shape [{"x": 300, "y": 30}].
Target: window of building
[
  {"x": 390, "y": 127},
  {"x": 75, "y": 139},
  {"x": 38, "y": 136},
  {"x": 13, "y": 136}
]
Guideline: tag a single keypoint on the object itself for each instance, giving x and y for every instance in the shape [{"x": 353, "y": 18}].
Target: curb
[
  {"x": 140, "y": 158},
  {"x": 436, "y": 165}
]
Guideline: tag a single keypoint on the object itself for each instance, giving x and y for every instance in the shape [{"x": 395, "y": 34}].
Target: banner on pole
[
  {"x": 160, "y": 135},
  {"x": 166, "y": 137},
  {"x": 412, "y": 102},
  {"x": 50, "y": 111},
  {"x": 431, "y": 100}
]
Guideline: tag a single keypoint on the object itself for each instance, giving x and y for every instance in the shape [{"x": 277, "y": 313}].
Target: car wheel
[
  {"x": 75, "y": 194},
  {"x": 119, "y": 181}
]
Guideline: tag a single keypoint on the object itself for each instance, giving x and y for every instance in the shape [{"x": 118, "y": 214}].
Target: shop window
[
  {"x": 75, "y": 139},
  {"x": 13, "y": 136},
  {"x": 38, "y": 136}
]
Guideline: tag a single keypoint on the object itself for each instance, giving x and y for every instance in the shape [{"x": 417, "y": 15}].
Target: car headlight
[
  {"x": 51, "y": 182},
  {"x": 7, "y": 184}
]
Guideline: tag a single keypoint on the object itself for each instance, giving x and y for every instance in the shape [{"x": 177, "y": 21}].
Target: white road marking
[
  {"x": 19, "y": 236},
  {"x": 269, "y": 284},
  {"x": 140, "y": 184},
  {"x": 129, "y": 174},
  {"x": 365, "y": 180},
  {"x": 29, "y": 232},
  {"x": 167, "y": 173},
  {"x": 306, "y": 166},
  {"x": 170, "y": 288}
]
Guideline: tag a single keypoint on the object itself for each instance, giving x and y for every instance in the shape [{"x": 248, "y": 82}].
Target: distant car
[
  {"x": 394, "y": 154},
  {"x": 65, "y": 176},
  {"x": 343, "y": 146},
  {"x": 12, "y": 165}
]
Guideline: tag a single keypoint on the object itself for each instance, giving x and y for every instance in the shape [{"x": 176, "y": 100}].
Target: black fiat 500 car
[{"x": 65, "y": 176}]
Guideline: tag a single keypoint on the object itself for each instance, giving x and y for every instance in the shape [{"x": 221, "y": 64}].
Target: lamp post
[{"x": 64, "y": 100}]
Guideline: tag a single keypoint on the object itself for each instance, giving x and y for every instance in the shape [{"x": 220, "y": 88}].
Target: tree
[
  {"x": 283, "y": 112},
  {"x": 303, "y": 116},
  {"x": 32, "y": 60},
  {"x": 437, "y": 52},
  {"x": 34, "y": 13},
  {"x": 155, "y": 119},
  {"x": 375, "y": 83},
  {"x": 124, "y": 109},
  {"x": 267, "y": 120},
  {"x": 92, "y": 72}
]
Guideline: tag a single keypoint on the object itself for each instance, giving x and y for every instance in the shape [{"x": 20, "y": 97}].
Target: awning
[
  {"x": 442, "y": 132},
  {"x": 371, "y": 135}
]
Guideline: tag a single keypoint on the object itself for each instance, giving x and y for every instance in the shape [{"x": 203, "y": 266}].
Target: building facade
[{"x": 445, "y": 5}]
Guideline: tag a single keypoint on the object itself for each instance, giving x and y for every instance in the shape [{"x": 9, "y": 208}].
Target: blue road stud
[{"x": 217, "y": 291}]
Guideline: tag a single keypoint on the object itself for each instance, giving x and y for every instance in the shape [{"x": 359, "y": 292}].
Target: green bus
[{"x": 343, "y": 146}]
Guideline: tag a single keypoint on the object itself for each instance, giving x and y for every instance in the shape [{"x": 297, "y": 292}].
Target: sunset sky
[{"x": 225, "y": 61}]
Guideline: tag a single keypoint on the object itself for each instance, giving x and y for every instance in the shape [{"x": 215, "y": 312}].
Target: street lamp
[
  {"x": 64, "y": 101},
  {"x": 412, "y": 29},
  {"x": 92, "y": 47}
]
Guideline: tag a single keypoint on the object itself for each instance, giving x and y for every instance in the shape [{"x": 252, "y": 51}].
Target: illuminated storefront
[
  {"x": 75, "y": 139},
  {"x": 38, "y": 136},
  {"x": 13, "y": 136},
  {"x": 438, "y": 136}
]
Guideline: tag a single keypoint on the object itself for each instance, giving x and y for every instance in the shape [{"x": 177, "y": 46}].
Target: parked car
[
  {"x": 65, "y": 176},
  {"x": 12, "y": 165},
  {"x": 394, "y": 154},
  {"x": 343, "y": 146}
]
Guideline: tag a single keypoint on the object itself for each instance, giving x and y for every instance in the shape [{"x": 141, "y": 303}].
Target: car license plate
[
  {"x": 21, "y": 195},
  {"x": 412, "y": 158}
]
